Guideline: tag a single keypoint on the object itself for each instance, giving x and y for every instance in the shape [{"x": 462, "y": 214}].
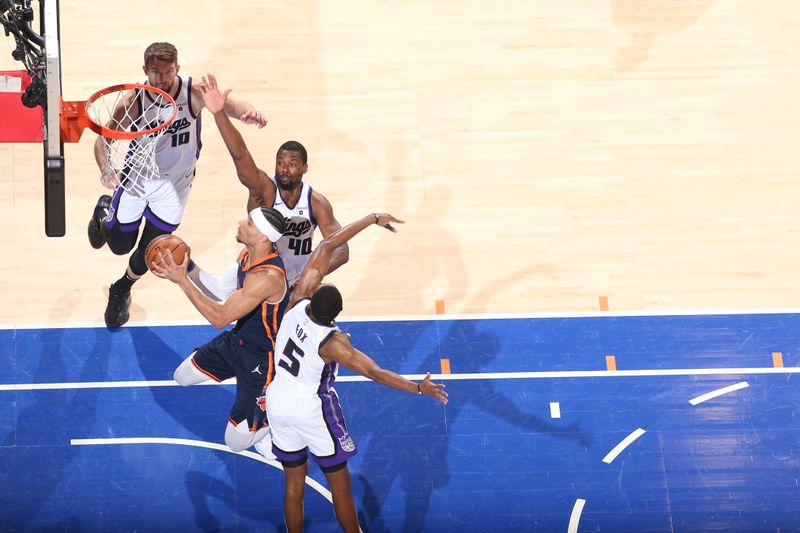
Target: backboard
[
  {"x": 54, "y": 193},
  {"x": 38, "y": 87}
]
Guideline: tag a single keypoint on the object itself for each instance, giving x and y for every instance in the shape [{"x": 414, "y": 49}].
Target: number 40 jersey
[{"x": 295, "y": 245}]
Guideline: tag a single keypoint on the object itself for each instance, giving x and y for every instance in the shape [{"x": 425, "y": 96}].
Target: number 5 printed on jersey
[{"x": 293, "y": 366}]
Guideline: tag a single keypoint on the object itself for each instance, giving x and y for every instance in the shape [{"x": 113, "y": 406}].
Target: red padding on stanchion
[{"x": 19, "y": 124}]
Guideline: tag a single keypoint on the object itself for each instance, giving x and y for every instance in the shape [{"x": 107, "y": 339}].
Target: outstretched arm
[
  {"x": 339, "y": 349},
  {"x": 320, "y": 263},
  {"x": 262, "y": 190}
]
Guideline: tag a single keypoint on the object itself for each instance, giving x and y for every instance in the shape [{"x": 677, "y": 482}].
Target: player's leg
[
  {"x": 120, "y": 229},
  {"x": 292, "y": 452},
  {"x": 162, "y": 207},
  {"x": 244, "y": 427},
  {"x": 264, "y": 445},
  {"x": 294, "y": 488},
  {"x": 188, "y": 373},
  {"x": 119, "y": 294},
  {"x": 239, "y": 436},
  {"x": 324, "y": 430},
  {"x": 96, "y": 230},
  {"x": 344, "y": 507}
]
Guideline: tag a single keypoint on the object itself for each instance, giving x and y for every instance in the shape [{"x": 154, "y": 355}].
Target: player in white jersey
[
  {"x": 302, "y": 406},
  {"x": 295, "y": 245},
  {"x": 304, "y": 208},
  {"x": 162, "y": 199}
]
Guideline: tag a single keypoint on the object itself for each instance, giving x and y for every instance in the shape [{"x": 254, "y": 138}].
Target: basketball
[{"x": 167, "y": 242}]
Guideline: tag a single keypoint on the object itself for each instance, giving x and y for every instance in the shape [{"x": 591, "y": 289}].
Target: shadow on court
[{"x": 414, "y": 450}]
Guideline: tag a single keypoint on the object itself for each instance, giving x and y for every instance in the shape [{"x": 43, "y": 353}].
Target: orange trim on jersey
[
  {"x": 276, "y": 267},
  {"x": 260, "y": 260},
  {"x": 209, "y": 374},
  {"x": 269, "y": 331}
]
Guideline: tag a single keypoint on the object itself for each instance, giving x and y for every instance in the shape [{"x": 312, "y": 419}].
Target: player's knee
[
  {"x": 186, "y": 374},
  {"x": 120, "y": 243},
  {"x": 238, "y": 437},
  {"x": 180, "y": 378}
]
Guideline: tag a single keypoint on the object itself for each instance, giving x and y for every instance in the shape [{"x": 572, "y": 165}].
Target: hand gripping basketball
[{"x": 166, "y": 243}]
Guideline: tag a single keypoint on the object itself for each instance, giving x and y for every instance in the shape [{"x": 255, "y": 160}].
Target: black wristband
[
  {"x": 419, "y": 390},
  {"x": 377, "y": 218}
]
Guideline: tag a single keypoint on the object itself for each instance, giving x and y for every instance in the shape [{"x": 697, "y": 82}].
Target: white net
[{"x": 134, "y": 121}]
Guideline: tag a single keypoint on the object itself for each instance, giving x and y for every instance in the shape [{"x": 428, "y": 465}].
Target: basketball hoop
[{"x": 130, "y": 118}]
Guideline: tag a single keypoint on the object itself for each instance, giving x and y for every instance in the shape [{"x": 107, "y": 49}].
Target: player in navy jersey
[
  {"x": 253, "y": 292},
  {"x": 161, "y": 200},
  {"x": 302, "y": 406},
  {"x": 303, "y": 208}
]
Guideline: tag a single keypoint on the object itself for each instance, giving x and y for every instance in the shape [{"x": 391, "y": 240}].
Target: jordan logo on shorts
[
  {"x": 256, "y": 370},
  {"x": 347, "y": 443}
]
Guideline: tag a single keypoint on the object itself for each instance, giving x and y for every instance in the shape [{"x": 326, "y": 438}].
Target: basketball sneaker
[
  {"x": 264, "y": 447},
  {"x": 96, "y": 236},
  {"x": 119, "y": 301}
]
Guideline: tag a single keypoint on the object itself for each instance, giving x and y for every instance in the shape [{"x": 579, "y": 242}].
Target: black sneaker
[
  {"x": 96, "y": 236},
  {"x": 117, "y": 309}
]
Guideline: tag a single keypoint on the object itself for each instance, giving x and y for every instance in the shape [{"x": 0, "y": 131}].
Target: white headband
[{"x": 263, "y": 225}]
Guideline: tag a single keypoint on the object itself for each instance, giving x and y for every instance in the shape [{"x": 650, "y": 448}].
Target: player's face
[
  {"x": 248, "y": 232},
  {"x": 162, "y": 74},
  {"x": 289, "y": 169}
]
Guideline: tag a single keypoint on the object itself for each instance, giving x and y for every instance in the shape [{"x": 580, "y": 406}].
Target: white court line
[
  {"x": 439, "y": 377},
  {"x": 445, "y": 317},
  {"x": 555, "y": 410},
  {"x": 622, "y": 445},
  {"x": 719, "y": 392},
  {"x": 199, "y": 444},
  {"x": 575, "y": 516}
]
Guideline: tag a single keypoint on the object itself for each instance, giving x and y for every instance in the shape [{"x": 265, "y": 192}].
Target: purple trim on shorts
[
  {"x": 289, "y": 456},
  {"x": 112, "y": 220},
  {"x": 327, "y": 377},
  {"x": 157, "y": 222},
  {"x": 334, "y": 419}
]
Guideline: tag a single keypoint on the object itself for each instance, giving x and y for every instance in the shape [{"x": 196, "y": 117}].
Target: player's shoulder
[
  {"x": 269, "y": 275},
  {"x": 319, "y": 200}
]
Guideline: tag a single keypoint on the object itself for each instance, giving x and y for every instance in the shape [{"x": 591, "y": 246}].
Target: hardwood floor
[{"x": 544, "y": 155}]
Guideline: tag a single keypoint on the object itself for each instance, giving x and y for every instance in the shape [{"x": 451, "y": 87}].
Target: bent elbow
[{"x": 219, "y": 323}]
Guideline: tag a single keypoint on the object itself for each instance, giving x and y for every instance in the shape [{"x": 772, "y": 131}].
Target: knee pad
[
  {"x": 186, "y": 374},
  {"x": 239, "y": 437},
  {"x": 121, "y": 242}
]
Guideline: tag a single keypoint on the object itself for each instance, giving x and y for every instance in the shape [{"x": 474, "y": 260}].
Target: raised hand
[
  {"x": 169, "y": 269},
  {"x": 254, "y": 117},
  {"x": 212, "y": 98},
  {"x": 110, "y": 178}
]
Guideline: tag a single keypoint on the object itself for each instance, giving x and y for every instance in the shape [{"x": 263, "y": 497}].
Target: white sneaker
[{"x": 264, "y": 447}]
